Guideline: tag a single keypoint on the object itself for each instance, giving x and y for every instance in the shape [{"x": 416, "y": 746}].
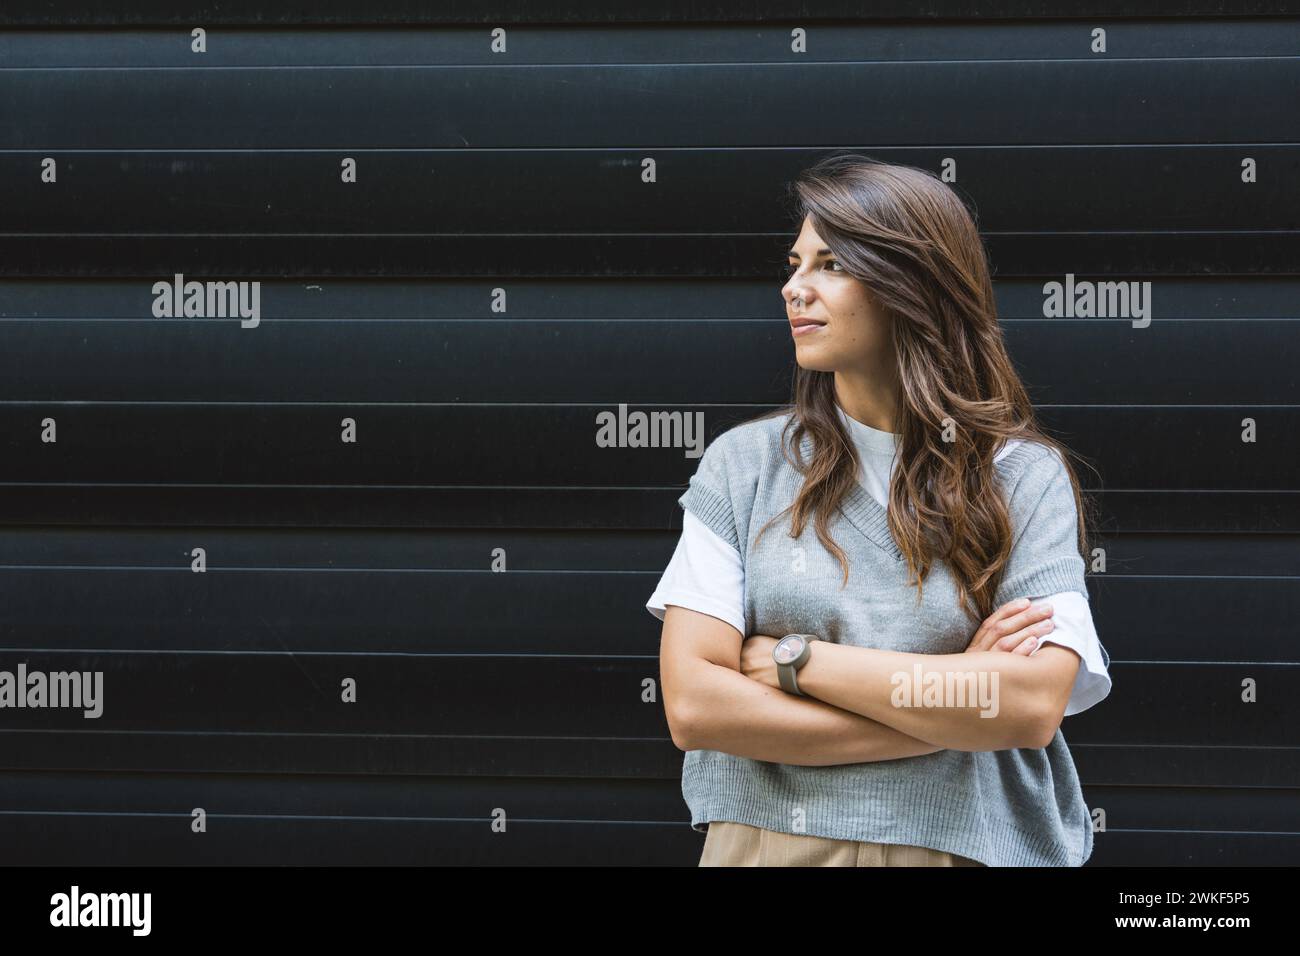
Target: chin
[{"x": 810, "y": 361}]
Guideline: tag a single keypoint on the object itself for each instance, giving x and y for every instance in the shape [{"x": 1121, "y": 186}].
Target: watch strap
[{"x": 785, "y": 674}]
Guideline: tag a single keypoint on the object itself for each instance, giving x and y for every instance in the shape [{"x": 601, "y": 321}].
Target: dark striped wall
[{"x": 521, "y": 172}]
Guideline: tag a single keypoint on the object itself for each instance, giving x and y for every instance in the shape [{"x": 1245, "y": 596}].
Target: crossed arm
[{"x": 721, "y": 694}]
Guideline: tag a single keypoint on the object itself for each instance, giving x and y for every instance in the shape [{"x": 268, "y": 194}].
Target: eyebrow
[{"x": 794, "y": 255}]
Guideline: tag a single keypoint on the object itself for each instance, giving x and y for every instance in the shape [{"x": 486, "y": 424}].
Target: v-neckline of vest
[
  {"x": 871, "y": 518},
  {"x": 863, "y": 511}
]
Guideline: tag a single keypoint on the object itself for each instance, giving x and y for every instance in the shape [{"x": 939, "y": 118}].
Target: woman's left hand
[{"x": 756, "y": 660}]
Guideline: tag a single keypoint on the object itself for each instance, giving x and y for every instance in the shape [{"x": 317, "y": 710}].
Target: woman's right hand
[{"x": 1015, "y": 627}]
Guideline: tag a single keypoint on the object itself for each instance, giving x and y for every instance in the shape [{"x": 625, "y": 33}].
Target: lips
[{"x": 803, "y": 327}]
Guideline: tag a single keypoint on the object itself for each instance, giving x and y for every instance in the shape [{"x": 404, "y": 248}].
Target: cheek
[
  {"x": 854, "y": 332},
  {"x": 862, "y": 328}
]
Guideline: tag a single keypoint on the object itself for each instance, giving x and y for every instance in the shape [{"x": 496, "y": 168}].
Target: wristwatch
[{"x": 791, "y": 653}]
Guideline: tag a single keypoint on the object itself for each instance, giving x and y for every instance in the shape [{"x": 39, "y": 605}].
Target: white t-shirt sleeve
[
  {"x": 705, "y": 575},
  {"x": 1075, "y": 630}
]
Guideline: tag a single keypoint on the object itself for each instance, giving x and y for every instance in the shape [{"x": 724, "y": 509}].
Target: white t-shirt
[{"x": 707, "y": 575}]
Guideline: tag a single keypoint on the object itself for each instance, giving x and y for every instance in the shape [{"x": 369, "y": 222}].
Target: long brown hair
[{"x": 911, "y": 239}]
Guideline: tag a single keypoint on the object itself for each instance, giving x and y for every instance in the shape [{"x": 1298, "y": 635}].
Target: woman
[{"x": 916, "y": 721}]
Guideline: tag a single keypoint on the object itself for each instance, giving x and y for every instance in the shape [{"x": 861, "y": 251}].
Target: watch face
[{"x": 788, "y": 649}]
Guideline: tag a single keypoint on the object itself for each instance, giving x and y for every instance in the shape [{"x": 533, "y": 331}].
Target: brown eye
[{"x": 791, "y": 270}]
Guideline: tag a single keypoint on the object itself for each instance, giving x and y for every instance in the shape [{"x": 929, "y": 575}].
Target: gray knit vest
[{"x": 1019, "y": 807}]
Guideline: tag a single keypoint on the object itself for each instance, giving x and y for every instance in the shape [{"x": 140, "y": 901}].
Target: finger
[
  {"x": 1011, "y": 607},
  {"x": 989, "y": 630},
  {"x": 1036, "y": 612},
  {"x": 1027, "y": 647},
  {"x": 1011, "y": 642},
  {"x": 1006, "y": 621},
  {"x": 1035, "y": 616}
]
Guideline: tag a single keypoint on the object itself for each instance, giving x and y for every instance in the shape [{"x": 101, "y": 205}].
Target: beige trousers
[{"x": 739, "y": 844}]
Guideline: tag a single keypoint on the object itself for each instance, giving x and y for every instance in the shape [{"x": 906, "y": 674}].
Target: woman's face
[{"x": 850, "y": 335}]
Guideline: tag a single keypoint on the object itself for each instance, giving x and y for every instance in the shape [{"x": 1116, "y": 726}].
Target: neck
[{"x": 867, "y": 399}]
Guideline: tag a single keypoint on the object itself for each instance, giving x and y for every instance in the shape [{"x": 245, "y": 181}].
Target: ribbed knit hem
[
  {"x": 717, "y": 786},
  {"x": 1065, "y": 573},
  {"x": 714, "y": 509}
]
